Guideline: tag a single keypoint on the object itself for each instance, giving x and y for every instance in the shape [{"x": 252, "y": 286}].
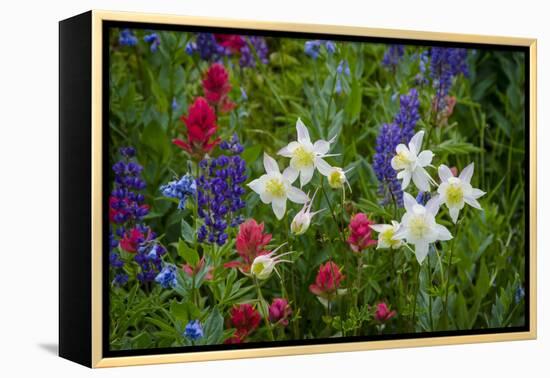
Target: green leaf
[
  {"x": 251, "y": 154},
  {"x": 353, "y": 106},
  {"x": 483, "y": 281},
  {"x": 189, "y": 254},
  {"x": 187, "y": 232},
  {"x": 461, "y": 318},
  {"x": 213, "y": 327},
  {"x": 455, "y": 148},
  {"x": 155, "y": 137}
]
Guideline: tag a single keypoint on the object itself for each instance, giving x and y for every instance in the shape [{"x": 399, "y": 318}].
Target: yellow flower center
[
  {"x": 387, "y": 236},
  {"x": 257, "y": 268},
  {"x": 402, "y": 159},
  {"x": 455, "y": 195},
  {"x": 418, "y": 228},
  {"x": 336, "y": 179},
  {"x": 303, "y": 157},
  {"x": 275, "y": 187}
]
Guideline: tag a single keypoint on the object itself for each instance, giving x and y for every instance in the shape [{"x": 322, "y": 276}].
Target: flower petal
[
  {"x": 415, "y": 144},
  {"x": 406, "y": 176},
  {"x": 296, "y": 195},
  {"x": 323, "y": 167},
  {"x": 443, "y": 233},
  {"x": 279, "y": 207},
  {"x": 257, "y": 185},
  {"x": 425, "y": 158},
  {"x": 453, "y": 212},
  {"x": 287, "y": 151},
  {"x": 472, "y": 202},
  {"x": 270, "y": 164},
  {"x": 421, "y": 251},
  {"x": 420, "y": 179},
  {"x": 321, "y": 147},
  {"x": 379, "y": 227},
  {"x": 266, "y": 197},
  {"x": 290, "y": 174},
  {"x": 466, "y": 174},
  {"x": 409, "y": 202},
  {"x": 476, "y": 193},
  {"x": 432, "y": 206},
  {"x": 444, "y": 173},
  {"x": 303, "y": 134},
  {"x": 306, "y": 174}
]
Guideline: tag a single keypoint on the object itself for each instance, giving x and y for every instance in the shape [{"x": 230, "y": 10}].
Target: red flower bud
[
  {"x": 327, "y": 281},
  {"x": 361, "y": 234}
]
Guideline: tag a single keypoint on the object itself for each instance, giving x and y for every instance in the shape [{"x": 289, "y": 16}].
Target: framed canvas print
[{"x": 235, "y": 189}]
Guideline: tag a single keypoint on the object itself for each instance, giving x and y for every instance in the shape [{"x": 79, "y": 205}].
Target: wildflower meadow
[{"x": 281, "y": 188}]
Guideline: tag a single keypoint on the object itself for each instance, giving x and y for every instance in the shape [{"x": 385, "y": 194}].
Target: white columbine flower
[
  {"x": 410, "y": 163},
  {"x": 263, "y": 265},
  {"x": 302, "y": 220},
  {"x": 274, "y": 188},
  {"x": 455, "y": 191},
  {"x": 418, "y": 226},
  {"x": 386, "y": 234},
  {"x": 305, "y": 156},
  {"x": 336, "y": 176}
]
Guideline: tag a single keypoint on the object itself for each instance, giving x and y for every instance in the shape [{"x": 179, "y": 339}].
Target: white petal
[
  {"x": 472, "y": 202},
  {"x": 270, "y": 164},
  {"x": 303, "y": 134},
  {"x": 425, "y": 158},
  {"x": 420, "y": 179},
  {"x": 296, "y": 195},
  {"x": 286, "y": 151},
  {"x": 444, "y": 173},
  {"x": 323, "y": 167},
  {"x": 395, "y": 224},
  {"x": 400, "y": 234},
  {"x": 257, "y": 185},
  {"x": 290, "y": 174},
  {"x": 321, "y": 147},
  {"x": 415, "y": 144},
  {"x": 305, "y": 175},
  {"x": 401, "y": 148},
  {"x": 453, "y": 212},
  {"x": 279, "y": 207},
  {"x": 266, "y": 197},
  {"x": 421, "y": 251},
  {"x": 379, "y": 227},
  {"x": 406, "y": 179},
  {"x": 466, "y": 174},
  {"x": 409, "y": 202},
  {"x": 442, "y": 233},
  {"x": 432, "y": 206},
  {"x": 476, "y": 193}
]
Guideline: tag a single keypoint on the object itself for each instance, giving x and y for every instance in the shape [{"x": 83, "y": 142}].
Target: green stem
[
  {"x": 417, "y": 286},
  {"x": 263, "y": 310},
  {"x": 430, "y": 317},
  {"x": 447, "y": 282},
  {"x": 332, "y": 212}
]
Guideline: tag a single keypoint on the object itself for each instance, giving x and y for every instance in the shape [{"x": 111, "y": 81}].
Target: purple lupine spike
[
  {"x": 392, "y": 56},
  {"x": 248, "y": 58},
  {"x": 446, "y": 63},
  {"x": 219, "y": 192}
]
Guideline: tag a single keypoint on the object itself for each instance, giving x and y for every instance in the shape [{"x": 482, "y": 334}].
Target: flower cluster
[
  {"x": 390, "y": 136},
  {"x": 149, "y": 258},
  {"x": 360, "y": 237},
  {"x": 214, "y": 47},
  {"x": 245, "y": 319},
  {"x": 418, "y": 225},
  {"x": 313, "y": 48},
  {"x": 153, "y": 40},
  {"x": 127, "y": 38},
  {"x": 392, "y": 56},
  {"x": 193, "y": 330},
  {"x": 180, "y": 189},
  {"x": 250, "y": 243},
  {"x": 280, "y": 311},
  {"x": 328, "y": 280},
  {"x": 445, "y": 64},
  {"x": 216, "y": 88},
  {"x": 167, "y": 277},
  {"x": 201, "y": 127},
  {"x": 220, "y": 192}
]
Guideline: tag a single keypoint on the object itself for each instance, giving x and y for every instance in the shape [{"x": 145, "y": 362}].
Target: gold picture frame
[{"x": 97, "y": 18}]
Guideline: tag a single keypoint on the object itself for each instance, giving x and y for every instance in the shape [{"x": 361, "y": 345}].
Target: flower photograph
[{"x": 277, "y": 188}]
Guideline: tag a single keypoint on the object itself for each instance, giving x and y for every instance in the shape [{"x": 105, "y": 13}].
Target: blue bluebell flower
[
  {"x": 392, "y": 56},
  {"x": 175, "y": 105},
  {"x": 167, "y": 277},
  {"x": 208, "y": 48},
  {"x": 248, "y": 58},
  {"x": 341, "y": 69},
  {"x": 423, "y": 197},
  {"x": 190, "y": 47},
  {"x": 244, "y": 96},
  {"x": 446, "y": 64},
  {"x": 120, "y": 279},
  {"x": 330, "y": 46},
  {"x": 127, "y": 38},
  {"x": 519, "y": 294},
  {"x": 220, "y": 192},
  {"x": 180, "y": 189},
  {"x": 313, "y": 48},
  {"x": 149, "y": 258},
  {"x": 193, "y": 330},
  {"x": 399, "y": 131},
  {"x": 154, "y": 40}
]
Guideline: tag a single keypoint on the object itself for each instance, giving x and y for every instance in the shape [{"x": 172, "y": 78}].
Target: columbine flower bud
[
  {"x": 263, "y": 265},
  {"x": 302, "y": 220},
  {"x": 337, "y": 178}
]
